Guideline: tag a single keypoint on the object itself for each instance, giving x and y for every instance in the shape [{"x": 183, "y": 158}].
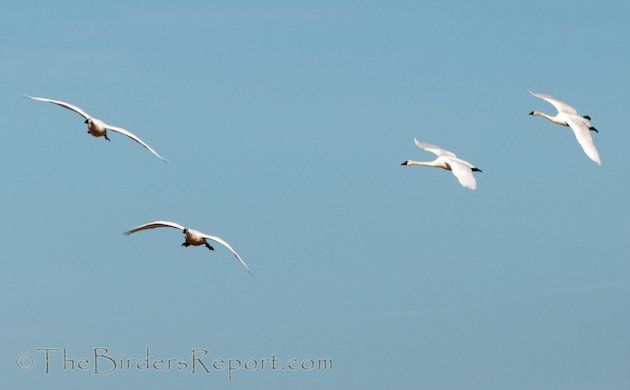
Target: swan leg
[
  {"x": 186, "y": 244},
  {"x": 209, "y": 246},
  {"x": 106, "y": 137}
]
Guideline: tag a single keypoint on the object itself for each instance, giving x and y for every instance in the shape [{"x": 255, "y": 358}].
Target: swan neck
[
  {"x": 422, "y": 163},
  {"x": 549, "y": 118}
]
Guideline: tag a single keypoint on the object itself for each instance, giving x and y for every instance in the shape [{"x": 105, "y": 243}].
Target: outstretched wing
[
  {"x": 225, "y": 244},
  {"x": 584, "y": 137},
  {"x": 433, "y": 149},
  {"x": 155, "y": 224},
  {"x": 135, "y": 138},
  {"x": 463, "y": 173},
  {"x": 558, "y": 104},
  {"x": 62, "y": 104}
]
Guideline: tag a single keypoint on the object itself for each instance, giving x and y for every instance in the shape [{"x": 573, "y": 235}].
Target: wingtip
[
  {"x": 156, "y": 154},
  {"x": 246, "y": 267}
]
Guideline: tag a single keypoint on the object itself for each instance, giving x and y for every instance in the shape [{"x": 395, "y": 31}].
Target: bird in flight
[
  {"x": 192, "y": 237},
  {"x": 97, "y": 127},
  {"x": 463, "y": 170},
  {"x": 568, "y": 116}
]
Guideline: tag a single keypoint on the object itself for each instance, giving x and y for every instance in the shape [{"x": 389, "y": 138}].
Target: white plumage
[
  {"x": 463, "y": 170},
  {"x": 568, "y": 116},
  {"x": 192, "y": 237},
  {"x": 97, "y": 127}
]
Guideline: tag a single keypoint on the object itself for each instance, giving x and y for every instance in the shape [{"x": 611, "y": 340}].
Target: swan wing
[
  {"x": 62, "y": 104},
  {"x": 433, "y": 149},
  {"x": 229, "y": 247},
  {"x": 155, "y": 224},
  {"x": 558, "y": 104},
  {"x": 584, "y": 137},
  {"x": 463, "y": 173},
  {"x": 135, "y": 138}
]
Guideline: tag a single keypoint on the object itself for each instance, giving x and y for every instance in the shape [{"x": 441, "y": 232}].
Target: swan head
[
  {"x": 405, "y": 163},
  {"x": 534, "y": 112}
]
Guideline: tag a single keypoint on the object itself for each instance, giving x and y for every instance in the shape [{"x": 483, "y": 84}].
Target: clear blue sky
[{"x": 285, "y": 124}]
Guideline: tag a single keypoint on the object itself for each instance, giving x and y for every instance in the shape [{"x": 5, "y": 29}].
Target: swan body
[
  {"x": 568, "y": 116},
  {"x": 463, "y": 170},
  {"x": 191, "y": 237},
  {"x": 96, "y": 127}
]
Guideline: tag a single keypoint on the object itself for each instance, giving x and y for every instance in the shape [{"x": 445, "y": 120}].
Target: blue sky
[{"x": 285, "y": 124}]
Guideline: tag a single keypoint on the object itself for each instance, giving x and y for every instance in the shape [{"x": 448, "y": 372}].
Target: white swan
[
  {"x": 193, "y": 237},
  {"x": 463, "y": 170},
  {"x": 568, "y": 116},
  {"x": 97, "y": 127}
]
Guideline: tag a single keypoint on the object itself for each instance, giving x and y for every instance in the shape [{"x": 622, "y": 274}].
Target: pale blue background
[{"x": 285, "y": 124}]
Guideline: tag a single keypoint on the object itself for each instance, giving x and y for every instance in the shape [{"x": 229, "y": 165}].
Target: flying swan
[
  {"x": 463, "y": 170},
  {"x": 97, "y": 127},
  {"x": 568, "y": 116},
  {"x": 192, "y": 237}
]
